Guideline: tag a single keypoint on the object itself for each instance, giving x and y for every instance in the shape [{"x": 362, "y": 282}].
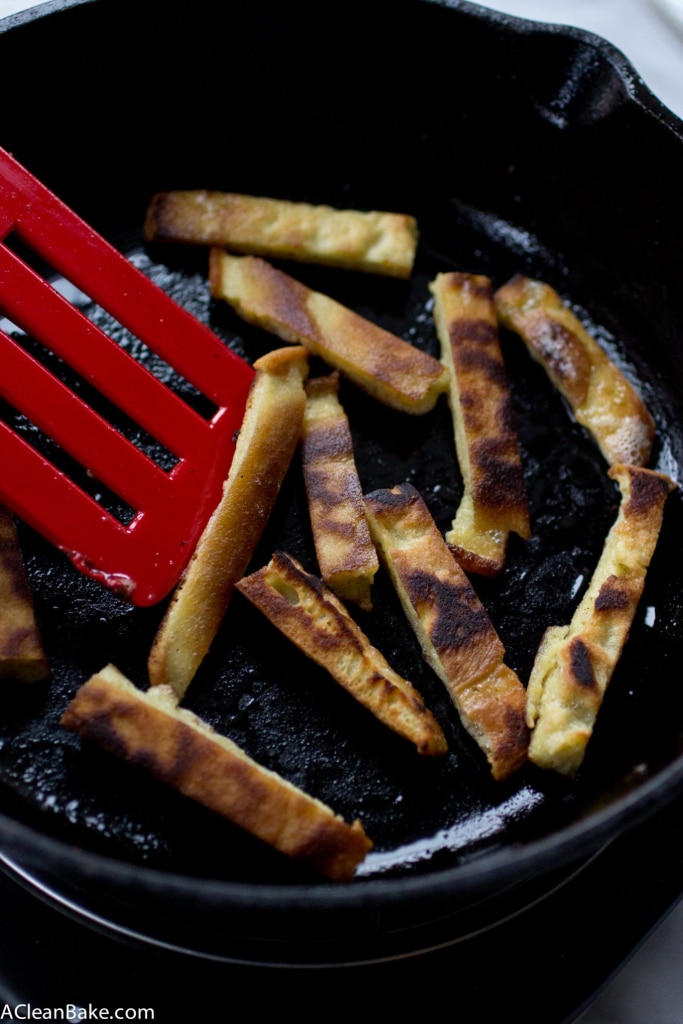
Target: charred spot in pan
[
  {"x": 97, "y": 727},
  {"x": 506, "y": 420},
  {"x": 646, "y": 493},
  {"x": 614, "y": 595},
  {"x": 581, "y": 665},
  {"x": 159, "y": 226},
  {"x": 284, "y": 564},
  {"x": 389, "y": 689},
  {"x": 518, "y": 729},
  {"x": 338, "y": 637},
  {"x": 475, "y": 329},
  {"x": 500, "y": 482},
  {"x": 324, "y": 499},
  {"x": 484, "y": 365},
  {"x": 248, "y": 789},
  {"x": 459, "y": 621},
  {"x": 322, "y": 488},
  {"x": 183, "y": 754},
  {"x": 326, "y": 442},
  {"x": 399, "y": 497},
  {"x": 513, "y": 751},
  {"x": 150, "y": 761},
  {"x": 475, "y": 285}
]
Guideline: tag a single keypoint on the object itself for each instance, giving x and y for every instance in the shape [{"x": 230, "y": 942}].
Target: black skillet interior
[{"x": 519, "y": 149}]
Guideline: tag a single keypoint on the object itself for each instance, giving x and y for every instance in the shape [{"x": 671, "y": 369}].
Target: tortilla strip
[
  {"x": 309, "y": 614},
  {"x": 21, "y": 645},
  {"x": 385, "y": 366},
  {"x": 148, "y": 729},
  {"x": 265, "y": 447},
  {"x": 457, "y": 637},
  {"x": 574, "y": 663},
  {"x": 345, "y": 552},
  {"x": 494, "y": 501},
  {"x": 600, "y": 396},
  {"x": 374, "y": 242}
]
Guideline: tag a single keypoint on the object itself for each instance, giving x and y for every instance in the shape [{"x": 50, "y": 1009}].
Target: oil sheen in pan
[{"x": 289, "y": 715}]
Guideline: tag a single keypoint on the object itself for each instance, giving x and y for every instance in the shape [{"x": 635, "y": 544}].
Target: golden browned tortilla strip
[
  {"x": 374, "y": 242},
  {"x": 457, "y": 637},
  {"x": 574, "y": 663},
  {"x": 21, "y": 645},
  {"x": 150, "y": 730},
  {"x": 309, "y": 614},
  {"x": 385, "y": 366},
  {"x": 600, "y": 396},
  {"x": 346, "y": 554},
  {"x": 480, "y": 553},
  {"x": 494, "y": 501},
  {"x": 265, "y": 447}
]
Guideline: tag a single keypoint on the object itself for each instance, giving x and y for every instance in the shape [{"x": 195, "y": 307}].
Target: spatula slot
[
  {"x": 92, "y": 396},
  {"x": 9, "y": 327},
  {"x": 101, "y": 318},
  {"x": 62, "y": 461}
]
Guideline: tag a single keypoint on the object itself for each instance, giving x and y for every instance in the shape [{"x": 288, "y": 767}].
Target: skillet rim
[{"x": 567, "y": 846}]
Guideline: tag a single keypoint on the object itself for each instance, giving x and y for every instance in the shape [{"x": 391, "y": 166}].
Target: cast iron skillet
[{"x": 520, "y": 148}]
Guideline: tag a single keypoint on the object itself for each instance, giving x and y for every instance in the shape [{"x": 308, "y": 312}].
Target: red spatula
[{"x": 143, "y": 558}]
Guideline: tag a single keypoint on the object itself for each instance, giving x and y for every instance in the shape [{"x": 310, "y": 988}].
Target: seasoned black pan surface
[{"x": 519, "y": 149}]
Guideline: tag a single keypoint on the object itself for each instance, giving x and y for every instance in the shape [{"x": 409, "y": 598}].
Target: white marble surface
[
  {"x": 648, "y": 32},
  {"x": 12, "y": 6},
  {"x": 649, "y": 989}
]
